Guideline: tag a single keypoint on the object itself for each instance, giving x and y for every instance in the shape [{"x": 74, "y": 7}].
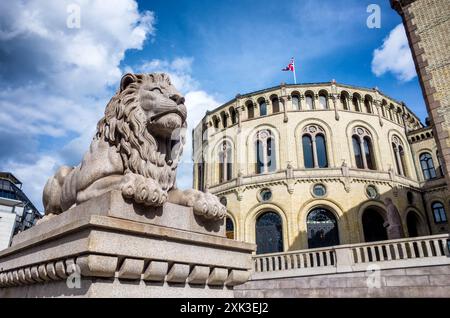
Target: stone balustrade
[{"x": 390, "y": 254}]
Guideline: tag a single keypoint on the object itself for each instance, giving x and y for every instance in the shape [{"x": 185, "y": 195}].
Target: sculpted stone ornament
[
  {"x": 136, "y": 150},
  {"x": 393, "y": 224}
]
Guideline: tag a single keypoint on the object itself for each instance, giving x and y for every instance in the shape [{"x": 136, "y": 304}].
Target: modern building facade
[
  {"x": 310, "y": 165},
  {"x": 17, "y": 212}
]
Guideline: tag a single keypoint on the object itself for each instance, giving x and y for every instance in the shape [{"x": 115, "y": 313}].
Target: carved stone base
[{"x": 107, "y": 247}]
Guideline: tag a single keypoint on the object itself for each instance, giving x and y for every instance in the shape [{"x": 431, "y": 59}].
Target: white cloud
[
  {"x": 56, "y": 80},
  {"x": 394, "y": 56}
]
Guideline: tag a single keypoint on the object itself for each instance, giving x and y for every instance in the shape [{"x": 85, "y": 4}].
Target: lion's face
[
  {"x": 146, "y": 120},
  {"x": 163, "y": 107}
]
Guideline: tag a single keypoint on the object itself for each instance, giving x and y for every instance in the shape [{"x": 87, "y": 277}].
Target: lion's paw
[
  {"x": 205, "y": 204},
  {"x": 143, "y": 190}
]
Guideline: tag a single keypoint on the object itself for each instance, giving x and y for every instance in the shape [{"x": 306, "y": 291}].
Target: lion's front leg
[
  {"x": 204, "y": 204},
  {"x": 143, "y": 190}
]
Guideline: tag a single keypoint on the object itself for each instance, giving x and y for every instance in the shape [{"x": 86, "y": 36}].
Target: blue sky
[{"x": 57, "y": 80}]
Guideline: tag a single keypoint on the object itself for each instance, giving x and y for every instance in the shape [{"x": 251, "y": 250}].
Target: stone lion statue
[{"x": 136, "y": 150}]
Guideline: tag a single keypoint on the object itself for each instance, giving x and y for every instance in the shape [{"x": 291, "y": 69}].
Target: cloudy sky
[{"x": 57, "y": 72}]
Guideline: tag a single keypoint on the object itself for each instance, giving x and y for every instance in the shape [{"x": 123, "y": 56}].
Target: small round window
[
  {"x": 372, "y": 192},
  {"x": 223, "y": 200},
  {"x": 265, "y": 195},
  {"x": 319, "y": 190}
]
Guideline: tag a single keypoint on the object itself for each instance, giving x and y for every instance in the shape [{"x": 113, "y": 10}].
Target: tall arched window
[
  {"x": 344, "y": 100},
  {"x": 200, "y": 175},
  {"x": 269, "y": 233},
  {"x": 355, "y": 102},
  {"x": 295, "y": 102},
  {"x": 368, "y": 104},
  {"x": 322, "y": 228},
  {"x": 265, "y": 152},
  {"x": 262, "y": 107},
  {"x": 373, "y": 225},
  {"x": 233, "y": 114},
  {"x": 216, "y": 122},
  {"x": 275, "y": 105},
  {"x": 224, "y": 118},
  {"x": 229, "y": 228},
  {"x": 441, "y": 169},
  {"x": 225, "y": 162},
  {"x": 309, "y": 101},
  {"x": 357, "y": 152},
  {"x": 390, "y": 110},
  {"x": 323, "y": 102},
  {"x": 307, "y": 151},
  {"x": 314, "y": 147},
  {"x": 250, "y": 110},
  {"x": 426, "y": 162},
  {"x": 439, "y": 212},
  {"x": 363, "y": 149},
  {"x": 399, "y": 157},
  {"x": 383, "y": 108}
]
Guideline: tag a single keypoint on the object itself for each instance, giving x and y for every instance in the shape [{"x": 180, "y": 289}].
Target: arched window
[
  {"x": 441, "y": 170},
  {"x": 363, "y": 149},
  {"x": 309, "y": 101},
  {"x": 439, "y": 213},
  {"x": 426, "y": 162},
  {"x": 344, "y": 100},
  {"x": 262, "y": 107},
  {"x": 229, "y": 228},
  {"x": 322, "y": 228},
  {"x": 368, "y": 152},
  {"x": 373, "y": 227},
  {"x": 307, "y": 151},
  {"x": 233, "y": 115},
  {"x": 355, "y": 102},
  {"x": 200, "y": 175},
  {"x": 323, "y": 102},
  {"x": 398, "y": 116},
  {"x": 390, "y": 110},
  {"x": 383, "y": 108},
  {"x": 399, "y": 157},
  {"x": 295, "y": 102},
  {"x": 413, "y": 224},
  {"x": 275, "y": 105},
  {"x": 224, "y": 118},
  {"x": 216, "y": 122},
  {"x": 269, "y": 233},
  {"x": 314, "y": 147},
  {"x": 250, "y": 110},
  {"x": 368, "y": 104},
  {"x": 321, "y": 151},
  {"x": 358, "y": 153},
  {"x": 225, "y": 162},
  {"x": 265, "y": 152}
]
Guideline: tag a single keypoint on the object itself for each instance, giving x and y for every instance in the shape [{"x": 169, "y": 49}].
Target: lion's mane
[{"x": 124, "y": 126}]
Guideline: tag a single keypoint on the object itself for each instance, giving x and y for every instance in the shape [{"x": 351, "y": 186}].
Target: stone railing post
[{"x": 344, "y": 259}]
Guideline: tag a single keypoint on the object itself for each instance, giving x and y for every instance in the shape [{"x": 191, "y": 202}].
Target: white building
[{"x": 17, "y": 213}]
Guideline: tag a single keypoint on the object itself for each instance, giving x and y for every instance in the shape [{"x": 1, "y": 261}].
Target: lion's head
[{"x": 146, "y": 121}]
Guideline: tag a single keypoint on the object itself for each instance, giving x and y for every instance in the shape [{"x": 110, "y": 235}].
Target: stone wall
[
  {"x": 427, "y": 24},
  {"x": 433, "y": 281}
]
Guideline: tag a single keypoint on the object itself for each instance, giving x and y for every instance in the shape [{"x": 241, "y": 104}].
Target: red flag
[{"x": 290, "y": 66}]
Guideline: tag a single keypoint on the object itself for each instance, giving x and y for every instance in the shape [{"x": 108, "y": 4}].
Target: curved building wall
[{"x": 335, "y": 150}]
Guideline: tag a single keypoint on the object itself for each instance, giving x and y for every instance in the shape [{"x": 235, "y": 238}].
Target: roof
[
  {"x": 9, "y": 176},
  {"x": 261, "y": 91}
]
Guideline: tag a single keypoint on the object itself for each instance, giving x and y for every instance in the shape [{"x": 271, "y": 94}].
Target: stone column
[
  {"x": 316, "y": 161},
  {"x": 363, "y": 152}
]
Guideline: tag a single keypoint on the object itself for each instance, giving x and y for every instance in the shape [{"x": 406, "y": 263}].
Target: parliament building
[{"x": 303, "y": 166}]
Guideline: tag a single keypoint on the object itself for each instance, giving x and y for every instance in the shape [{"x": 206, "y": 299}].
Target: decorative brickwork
[{"x": 427, "y": 24}]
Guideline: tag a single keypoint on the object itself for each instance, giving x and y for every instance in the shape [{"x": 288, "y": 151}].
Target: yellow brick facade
[{"x": 383, "y": 119}]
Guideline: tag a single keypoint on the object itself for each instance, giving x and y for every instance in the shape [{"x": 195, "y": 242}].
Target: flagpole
[{"x": 295, "y": 77}]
